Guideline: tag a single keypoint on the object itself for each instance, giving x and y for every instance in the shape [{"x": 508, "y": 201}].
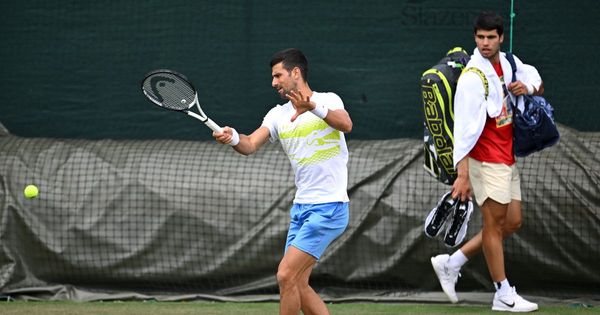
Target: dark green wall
[{"x": 71, "y": 69}]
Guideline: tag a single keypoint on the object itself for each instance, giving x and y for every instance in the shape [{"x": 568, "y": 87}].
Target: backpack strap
[{"x": 483, "y": 79}]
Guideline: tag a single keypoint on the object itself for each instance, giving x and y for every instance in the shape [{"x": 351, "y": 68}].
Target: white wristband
[
  {"x": 235, "y": 138},
  {"x": 530, "y": 89},
  {"x": 320, "y": 111}
]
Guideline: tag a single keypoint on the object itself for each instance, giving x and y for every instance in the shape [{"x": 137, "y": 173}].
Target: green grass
[{"x": 262, "y": 308}]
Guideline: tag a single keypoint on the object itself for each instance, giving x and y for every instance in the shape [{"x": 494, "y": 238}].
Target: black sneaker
[
  {"x": 458, "y": 223},
  {"x": 437, "y": 216}
]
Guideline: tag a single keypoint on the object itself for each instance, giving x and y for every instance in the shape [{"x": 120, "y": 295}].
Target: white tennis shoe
[
  {"x": 512, "y": 302},
  {"x": 446, "y": 275}
]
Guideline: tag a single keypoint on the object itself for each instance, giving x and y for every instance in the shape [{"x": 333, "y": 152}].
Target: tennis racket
[{"x": 171, "y": 90}]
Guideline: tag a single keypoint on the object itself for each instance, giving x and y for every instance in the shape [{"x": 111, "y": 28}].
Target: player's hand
[
  {"x": 517, "y": 88},
  {"x": 224, "y": 137},
  {"x": 461, "y": 188},
  {"x": 301, "y": 104}
]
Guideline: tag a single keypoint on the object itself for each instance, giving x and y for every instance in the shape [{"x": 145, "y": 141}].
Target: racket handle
[{"x": 212, "y": 125}]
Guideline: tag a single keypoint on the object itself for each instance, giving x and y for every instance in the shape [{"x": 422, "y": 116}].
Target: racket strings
[{"x": 169, "y": 91}]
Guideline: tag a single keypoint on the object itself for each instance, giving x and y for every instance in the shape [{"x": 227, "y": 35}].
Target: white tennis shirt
[{"x": 317, "y": 151}]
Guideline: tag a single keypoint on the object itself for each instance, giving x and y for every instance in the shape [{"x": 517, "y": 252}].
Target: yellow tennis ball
[{"x": 31, "y": 191}]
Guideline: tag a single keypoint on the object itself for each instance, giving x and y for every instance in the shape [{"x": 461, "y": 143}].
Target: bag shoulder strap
[
  {"x": 483, "y": 79},
  {"x": 513, "y": 65}
]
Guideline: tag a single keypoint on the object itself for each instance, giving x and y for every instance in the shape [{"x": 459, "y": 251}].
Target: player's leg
[
  {"x": 501, "y": 212},
  {"x": 506, "y": 297},
  {"x": 313, "y": 228},
  {"x": 322, "y": 225},
  {"x": 289, "y": 268},
  {"x": 312, "y": 304},
  {"x": 512, "y": 223},
  {"x": 290, "y": 273},
  {"x": 513, "y": 216},
  {"x": 494, "y": 214},
  {"x": 471, "y": 248},
  {"x": 492, "y": 185},
  {"x": 447, "y": 267}
]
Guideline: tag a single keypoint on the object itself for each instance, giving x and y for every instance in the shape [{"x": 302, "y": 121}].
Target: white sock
[
  {"x": 502, "y": 287},
  {"x": 457, "y": 260}
]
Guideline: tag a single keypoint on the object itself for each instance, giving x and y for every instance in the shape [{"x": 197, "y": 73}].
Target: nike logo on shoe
[{"x": 512, "y": 302}]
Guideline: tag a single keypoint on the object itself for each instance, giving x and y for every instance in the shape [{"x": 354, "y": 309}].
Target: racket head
[{"x": 169, "y": 89}]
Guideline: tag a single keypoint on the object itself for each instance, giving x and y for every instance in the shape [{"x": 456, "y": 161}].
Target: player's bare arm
[
  {"x": 462, "y": 185},
  {"x": 247, "y": 144},
  {"x": 339, "y": 119}
]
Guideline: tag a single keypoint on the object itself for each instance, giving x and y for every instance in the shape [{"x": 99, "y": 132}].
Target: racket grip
[{"x": 212, "y": 125}]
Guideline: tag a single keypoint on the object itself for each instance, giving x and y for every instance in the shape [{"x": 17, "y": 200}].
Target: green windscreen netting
[{"x": 164, "y": 217}]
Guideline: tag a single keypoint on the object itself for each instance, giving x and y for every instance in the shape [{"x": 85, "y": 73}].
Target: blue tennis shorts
[{"x": 314, "y": 226}]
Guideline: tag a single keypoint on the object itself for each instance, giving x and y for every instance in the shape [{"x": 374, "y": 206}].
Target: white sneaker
[
  {"x": 446, "y": 275},
  {"x": 512, "y": 302}
]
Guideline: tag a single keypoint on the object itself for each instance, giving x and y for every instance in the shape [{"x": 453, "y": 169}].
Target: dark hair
[
  {"x": 290, "y": 59},
  {"x": 489, "y": 21}
]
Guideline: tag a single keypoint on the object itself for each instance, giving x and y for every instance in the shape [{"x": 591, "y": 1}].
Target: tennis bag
[
  {"x": 533, "y": 128},
  {"x": 438, "y": 85}
]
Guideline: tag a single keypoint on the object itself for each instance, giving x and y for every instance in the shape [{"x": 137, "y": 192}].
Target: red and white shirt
[{"x": 495, "y": 144}]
